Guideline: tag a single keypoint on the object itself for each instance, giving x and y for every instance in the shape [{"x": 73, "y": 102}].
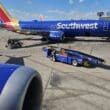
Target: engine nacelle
[
  {"x": 56, "y": 36},
  {"x": 20, "y": 88}
]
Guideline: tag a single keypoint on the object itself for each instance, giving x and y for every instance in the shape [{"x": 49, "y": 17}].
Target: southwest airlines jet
[{"x": 56, "y": 30}]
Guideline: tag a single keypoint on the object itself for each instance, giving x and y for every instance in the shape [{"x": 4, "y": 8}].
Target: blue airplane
[{"x": 55, "y": 30}]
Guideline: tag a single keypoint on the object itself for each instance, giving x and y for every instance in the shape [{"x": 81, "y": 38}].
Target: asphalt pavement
[{"x": 65, "y": 87}]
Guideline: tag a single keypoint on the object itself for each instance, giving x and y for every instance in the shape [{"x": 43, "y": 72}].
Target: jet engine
[
  {"x": 20, "y": 88},
  {"x": 56, "y": 36}
]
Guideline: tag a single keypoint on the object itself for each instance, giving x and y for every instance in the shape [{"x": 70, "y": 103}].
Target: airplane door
[{"x": 106, "y": 26}]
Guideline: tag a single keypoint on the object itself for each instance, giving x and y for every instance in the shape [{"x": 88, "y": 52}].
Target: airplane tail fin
[
  {"x": 6, "y": 20},
  {"x": 4, "y": 15}
]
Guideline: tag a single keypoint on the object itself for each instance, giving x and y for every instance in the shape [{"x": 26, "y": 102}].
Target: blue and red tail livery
[
  {"x": 56, "y": 30},
  {"x": 9, "y": 22}
]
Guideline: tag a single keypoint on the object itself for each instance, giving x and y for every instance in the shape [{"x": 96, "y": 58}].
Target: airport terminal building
[{"x": 105, "y": 18}]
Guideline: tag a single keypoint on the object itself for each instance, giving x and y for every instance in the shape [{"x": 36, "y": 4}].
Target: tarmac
[{"x": 65, "y": 87}]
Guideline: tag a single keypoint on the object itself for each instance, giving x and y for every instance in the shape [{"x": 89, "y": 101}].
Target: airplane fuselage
[
  {"x": 100, "y": 28},
  {"x": 55, "y": 30}
]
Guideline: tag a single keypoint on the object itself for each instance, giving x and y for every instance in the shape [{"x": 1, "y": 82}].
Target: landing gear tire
[
  {"x": 44, "y": 39},
  {"x": 75, "y": 63},
  {"x": 62, "y": 38}
]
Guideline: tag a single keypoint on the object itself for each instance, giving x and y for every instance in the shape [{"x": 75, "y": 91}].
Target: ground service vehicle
[
  {"x": 13, "y": 44},
  {"x": 72, "y": 57}
]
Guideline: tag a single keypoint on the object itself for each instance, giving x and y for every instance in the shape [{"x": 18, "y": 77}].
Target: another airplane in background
[{"x": 55, "y": 30}]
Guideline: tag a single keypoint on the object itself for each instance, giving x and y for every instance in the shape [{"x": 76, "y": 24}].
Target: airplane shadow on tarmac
[
  {"x": 90, "y": 40},
  {"x": 67, "y": 40},
  {"x": 71, "y": 40},
  {"x": 103, "y": 66},
  {"x": 36, "y": 44},
  {"x": 16, "y": 60}
]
